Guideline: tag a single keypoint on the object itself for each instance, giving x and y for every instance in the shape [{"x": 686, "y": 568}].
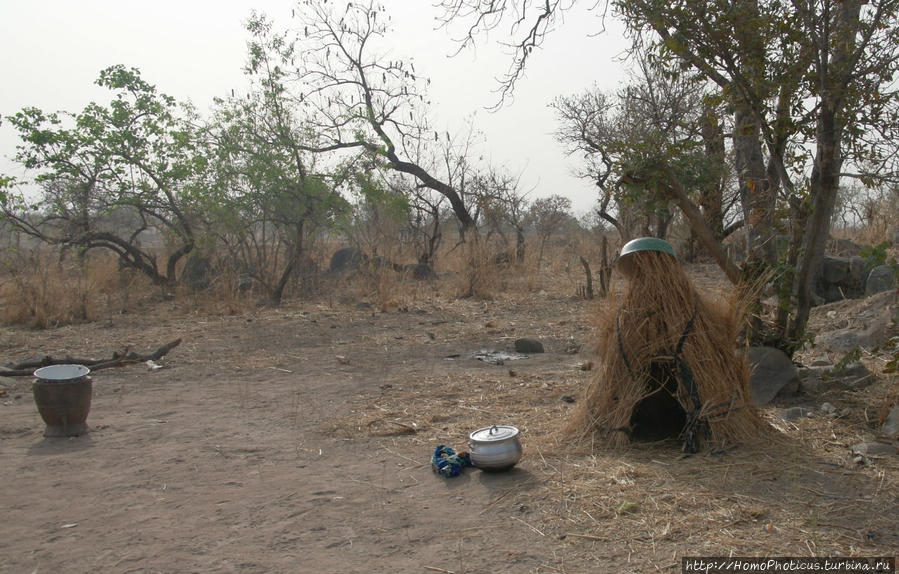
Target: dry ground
[{"x": 297, "y": 439}]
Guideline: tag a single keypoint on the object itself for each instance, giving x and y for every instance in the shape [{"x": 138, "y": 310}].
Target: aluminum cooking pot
[{"x": 495, "y": 447}]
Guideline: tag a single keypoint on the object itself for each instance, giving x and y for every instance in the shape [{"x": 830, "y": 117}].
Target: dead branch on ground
[{"x": 26, "y": 368}]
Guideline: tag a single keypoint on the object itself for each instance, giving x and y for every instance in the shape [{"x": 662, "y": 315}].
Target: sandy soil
[{"x": 297, "y": 440}]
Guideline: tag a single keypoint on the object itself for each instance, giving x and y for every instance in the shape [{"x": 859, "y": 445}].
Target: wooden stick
[{"x": 27, "y": 368}]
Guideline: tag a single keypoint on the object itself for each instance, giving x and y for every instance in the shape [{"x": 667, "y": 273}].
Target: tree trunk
[
  {"x": 519, "y": 244},
  {"x": 710, "y": 197},
  {"x": 698, "y": 223},
  {"x": 825, "y": 179},
  {"x": 293, "y": 263},
  {"x": 756, "y": 195}
]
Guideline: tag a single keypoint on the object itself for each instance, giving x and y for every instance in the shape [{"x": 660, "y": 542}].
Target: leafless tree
[{"x": 358, "y": 99}]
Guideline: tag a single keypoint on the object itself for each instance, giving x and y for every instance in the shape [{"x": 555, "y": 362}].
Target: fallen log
[{"x": 26, "y": 368}]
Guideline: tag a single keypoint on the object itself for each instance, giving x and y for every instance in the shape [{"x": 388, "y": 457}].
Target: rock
[
  {"x": 794, "y": 413},
  {"x": 855, "y": 370},
  {"x": 812, "y": 378},
  {"x": 834, "y": 269},
  {"x": 831, "y": 293},
  {"x": 874, "y": 449},
  {"x": 420, "y": 271},
  {"x": 890, "y": 426},
  {"x": 525, "y": 345},
  {"x": 346, "y": 259},
  {"x": 827, "y": 408},
  {"x": 881, "y": 278},
  {"x": 196, "y": 272},
  {"x": 245, "y": 283},
  {"x": 841, "y": 278},
  {"x": 815, "y": 380},
  {"x": 772, "y": 372},
  {"x": 858, "y": 266},
  {"x": 844, "y": 247},
  {"x": 567, "y": 399}
]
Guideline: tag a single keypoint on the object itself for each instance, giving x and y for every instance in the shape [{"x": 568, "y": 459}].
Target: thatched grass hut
[{"x": 668, "y": 366}]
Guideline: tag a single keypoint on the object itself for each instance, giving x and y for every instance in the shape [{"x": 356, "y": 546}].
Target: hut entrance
[{"x": 659, "y": 415}]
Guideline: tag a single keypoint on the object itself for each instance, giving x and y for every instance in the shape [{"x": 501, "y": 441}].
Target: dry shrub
[
  {"x": 879, "y": 214},
  {"x": 386, "y": 284},
  {"x": 225, "y": 295},
  {"x": 42, "y": 289},
  {"x": 477, "y": 267},
  {"x": 663, "y": 340}
]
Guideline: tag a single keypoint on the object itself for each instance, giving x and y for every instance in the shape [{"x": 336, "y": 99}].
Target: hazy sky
[{"x": 51, "y": 51}]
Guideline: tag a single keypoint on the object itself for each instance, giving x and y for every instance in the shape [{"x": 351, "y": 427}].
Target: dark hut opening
[{"x": 659, "y": 415}]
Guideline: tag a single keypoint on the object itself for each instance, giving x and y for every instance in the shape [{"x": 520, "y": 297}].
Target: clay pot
[{"x": 63, "y": 395}]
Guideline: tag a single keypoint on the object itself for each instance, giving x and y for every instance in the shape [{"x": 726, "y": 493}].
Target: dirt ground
[{"x": 298, "y": 439}]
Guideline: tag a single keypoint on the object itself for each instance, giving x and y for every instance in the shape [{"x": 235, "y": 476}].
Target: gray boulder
[
  {"x": 890, "y": 427},
  {"x": 858, "y": 266},
  {"x": 841, "y": 278},
  {"x": 834, "y": 269},
  {"x": 881, "y": 278},
  {"x": 346, "y": 259},
  {"x": 197, "y": 272},
  {"x": 873, "y": 449},
  {"x": 820, "y": 379},
  {"x": 772, "y": 372},
  {"x": 420, "y": 271},
  {"x": 525, "y": 345},
  {"x": 844, "y": 247},
  {"x": 796, "y": 413}
]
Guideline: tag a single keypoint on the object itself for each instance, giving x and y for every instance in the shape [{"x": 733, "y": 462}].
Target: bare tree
[
  {"x": 356, "y": 98},
  {"x": 503, "y": 207},
  {"x": 548, "y": 215}
]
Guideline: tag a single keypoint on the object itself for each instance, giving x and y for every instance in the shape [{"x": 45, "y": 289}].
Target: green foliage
[
  {"x": 372, "y": 191},
  {"x": 892, "y": 350},
  {"x": 875, "y": 255},
  {"x": 852, "y": 356},
  {"x": 7, "y": 184},
  {"x": 135, "y": 154}
]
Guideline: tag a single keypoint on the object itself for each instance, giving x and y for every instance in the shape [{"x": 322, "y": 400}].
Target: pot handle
[{"x": 493, "y": 429}]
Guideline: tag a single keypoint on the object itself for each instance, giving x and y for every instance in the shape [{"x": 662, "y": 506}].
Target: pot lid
[
  {"x": 494, "y": 433},
  {"x": 62, "y": 372},
  {"x": 647, "y": 244}
]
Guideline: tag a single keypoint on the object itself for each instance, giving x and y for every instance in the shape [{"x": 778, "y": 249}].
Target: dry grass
[
  {"x": 799, "y": 495},
  {"x": 40, "y": 289}
]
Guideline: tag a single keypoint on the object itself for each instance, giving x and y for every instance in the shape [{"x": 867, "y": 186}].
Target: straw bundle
[{"x": 667, "y": 352}]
